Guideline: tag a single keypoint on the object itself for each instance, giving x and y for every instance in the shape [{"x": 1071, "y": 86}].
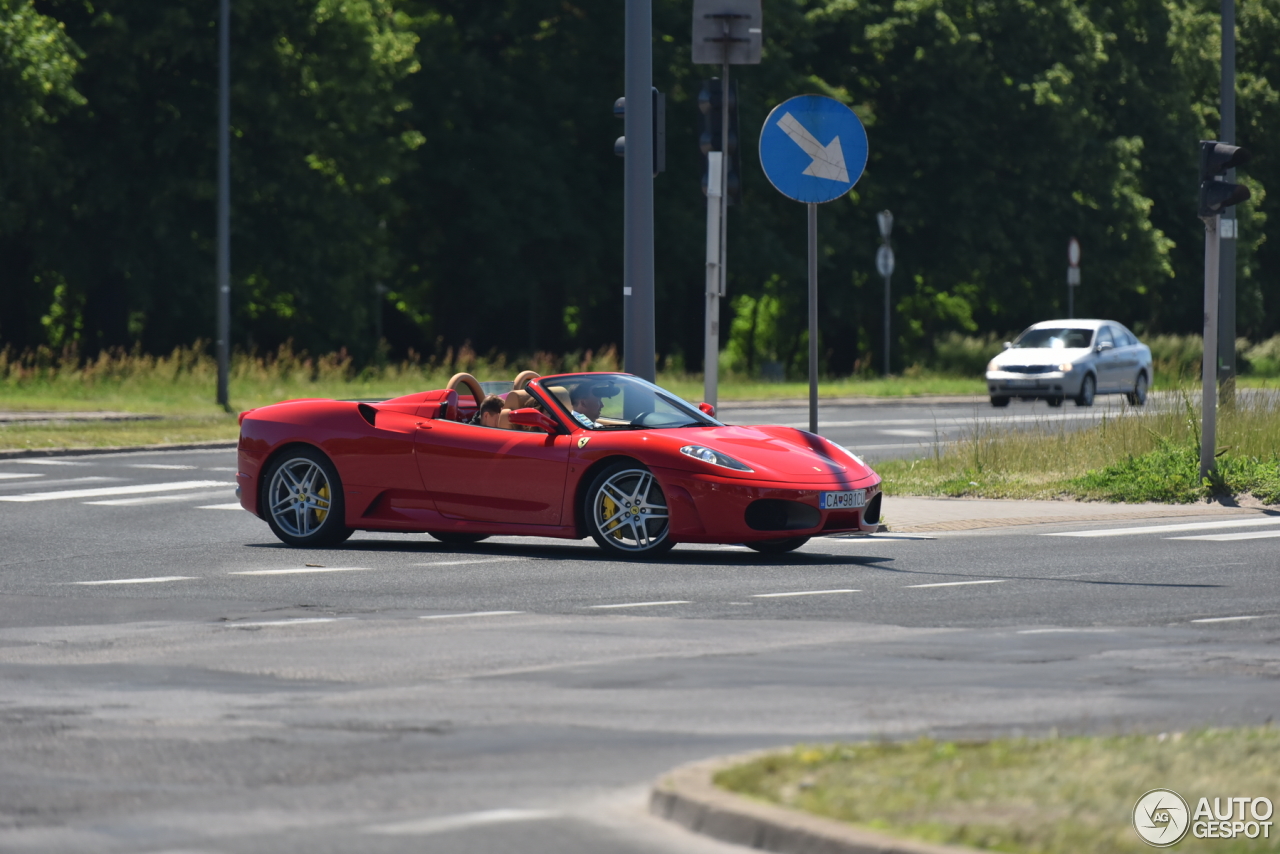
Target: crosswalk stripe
[
  {"x": 1243, "y": 535},
  {"x": 235, "y": 505},
  {"x": 957, "y": 583},
  {"x": 100, "y": 492},
  {"x": 154, "y": 580},
  {"x": 309, "y": 569},
  {"x": 14, "y": 475},
  {"x": 1162, "y": 529},
  {"x": 801, "y": 593},
  {"x": 158, "y": 499}
]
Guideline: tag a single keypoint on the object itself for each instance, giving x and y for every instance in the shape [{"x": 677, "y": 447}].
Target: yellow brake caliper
[
  {"x": 610, "y": 508},
  {"x": 323, "y": 493}
]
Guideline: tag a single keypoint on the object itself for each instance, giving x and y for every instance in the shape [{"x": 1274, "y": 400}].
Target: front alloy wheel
[
  {"x": 626, "y": 512},
  {"x": 1138, "y": 396},
  {"x": 303, "y": 500}
]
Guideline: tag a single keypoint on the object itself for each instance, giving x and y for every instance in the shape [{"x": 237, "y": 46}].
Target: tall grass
[{"x": 1130, "y": 454}]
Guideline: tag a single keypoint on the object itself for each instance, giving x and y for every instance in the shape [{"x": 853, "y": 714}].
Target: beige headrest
[{"x": 518, "y": 400}]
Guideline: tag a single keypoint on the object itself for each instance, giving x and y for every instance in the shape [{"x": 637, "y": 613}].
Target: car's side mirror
[
  {"x": 1103, "y": 346},
  {"x": 1008, "y": 345},
  {"x": 707, "y": 409},
  {"x": 533, "y": 418}
]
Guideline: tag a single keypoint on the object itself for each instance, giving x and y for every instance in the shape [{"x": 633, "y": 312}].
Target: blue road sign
[{"x": 813, "y": 148}]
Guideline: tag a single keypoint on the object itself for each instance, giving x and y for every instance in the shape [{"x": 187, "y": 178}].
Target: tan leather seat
[{"x": 515, "y": 400}]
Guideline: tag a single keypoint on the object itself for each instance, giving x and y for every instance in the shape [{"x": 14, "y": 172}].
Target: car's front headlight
[
  {"x": 1066, "y": 367},
  {"x": 699, "y": 452},
  {"x": 991, "y": 366}
]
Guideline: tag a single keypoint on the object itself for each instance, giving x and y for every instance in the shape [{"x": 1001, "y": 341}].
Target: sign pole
[
  {"x": 224, "y": 204},
  {"x": 1073, "y": 275},
  {"x": 638, "y": 344},
  {"x": 813, "y": 317},
  {"x": 1209, "y": 364},
  {"x": 711, "y": 350}
]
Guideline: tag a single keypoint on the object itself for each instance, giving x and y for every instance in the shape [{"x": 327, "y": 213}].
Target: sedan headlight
[
  {"x": 1066, "y": 367},
  {"x": 991, "y": 366},
  {"x": 698, "y": 452}
]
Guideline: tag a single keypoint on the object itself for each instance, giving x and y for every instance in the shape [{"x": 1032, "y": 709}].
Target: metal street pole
[
  {"x": 813, "y": 318},
  {"x": 884, "y": 263},
  {"x": 638, "y": 345},
  {"x": 223, "y": 274},
  {"x": 1227, "y": 232},
  {"x": 711, "y": 350},
  {"x": 886, "y": 324},
  {"x": 1208, "y": 377}
]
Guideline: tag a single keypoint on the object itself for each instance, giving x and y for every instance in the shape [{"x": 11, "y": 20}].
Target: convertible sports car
[{"x": 605, "y": 455}]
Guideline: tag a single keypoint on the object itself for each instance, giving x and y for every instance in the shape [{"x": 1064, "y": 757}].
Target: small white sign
[{"x": 884, "y": 261}]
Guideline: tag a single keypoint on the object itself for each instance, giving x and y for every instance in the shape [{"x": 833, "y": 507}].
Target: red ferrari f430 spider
[{"x": 605, "y": 455}]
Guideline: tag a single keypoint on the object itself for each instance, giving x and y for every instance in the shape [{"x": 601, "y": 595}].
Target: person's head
[
  {"x": 490, "y": 409},
  {"x": 586, "y": 399}
]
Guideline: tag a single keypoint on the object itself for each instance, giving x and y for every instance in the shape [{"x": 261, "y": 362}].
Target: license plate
[
  {"x": 842, "y": 500},
  {"x": 1020, "y": 384}
]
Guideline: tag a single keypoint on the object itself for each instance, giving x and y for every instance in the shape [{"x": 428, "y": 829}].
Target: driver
[{"x": 586, "y": 404}]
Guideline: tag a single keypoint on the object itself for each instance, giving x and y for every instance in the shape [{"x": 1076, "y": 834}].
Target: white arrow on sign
[{"x": 828, "y": 160}]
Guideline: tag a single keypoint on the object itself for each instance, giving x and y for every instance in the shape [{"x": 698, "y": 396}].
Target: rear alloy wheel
[
  {"x": 303, "y": 500},
  {"x": 626, "y": 512},
  {"x": 1088, "y": 389},
  {"x": 458, "y": 538},
  {"x": 1138, "y": 397},
  {"x": 777, "y": 547},
  {"x": 999, "y": 401}
]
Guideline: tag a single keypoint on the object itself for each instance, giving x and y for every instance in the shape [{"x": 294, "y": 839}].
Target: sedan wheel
[
  {"x": 626, "y": 512},
  {"x": 1088, "y": 389},
  {"x": 997, "y": 400},
  {"x": 1138, "y": 396},
  {"x": 303, "y": 500}
]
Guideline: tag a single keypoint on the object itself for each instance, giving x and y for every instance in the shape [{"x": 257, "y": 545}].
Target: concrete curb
[
  {"x": 126, "y": 449},
  {"x": 689, "y": 798}
]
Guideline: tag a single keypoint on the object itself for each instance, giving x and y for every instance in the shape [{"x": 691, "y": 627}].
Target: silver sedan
[{"x": 1079, "y": 359}]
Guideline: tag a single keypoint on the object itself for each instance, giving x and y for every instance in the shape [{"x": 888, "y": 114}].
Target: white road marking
[
  {"x": 157, "y": 580},
  {"x": 164, "y": 466},
  {"x": 298, "y": 621},
  {"x": 157, "y": 499},
  {"x": 642, "y": 604},
  {"x": 134, "y": 489},
  {"x": 910, "y": 432},
  {"x": 444, "y": 824},
  {"x": 470, "y": 614},
  {"x": 66, "y": 481},
  {"x": 232, "y": 506},
  {"x": 301, "y": 571},
  {"x": 958, "y": 583},
  {"x": 1226, "y": 619},
  {"x": 466, "y": 562},
  {"x": 14, "y": 475},
  {"x": 43, "y": 462},
  {"x": 800, "y": 593},
  {"x": 1243, "y": 535},
  {"x": 845, "y": 538},
  {"x": 1063, "y": 631},
  {"x": 219, "y": 468},
  {"x": 1168, "y": 529}
]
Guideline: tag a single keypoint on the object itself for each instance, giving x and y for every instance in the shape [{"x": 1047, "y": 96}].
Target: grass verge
[
  {"x": 1050, "y": 796},
  {"x": 1131, "y": 455}
]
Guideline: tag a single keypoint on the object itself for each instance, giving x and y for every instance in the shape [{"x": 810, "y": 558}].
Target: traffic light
[
  {"x": 1215, "y": 193},
  {"x": 659, "y": 130},
  {"x": 710, "y": 129}
]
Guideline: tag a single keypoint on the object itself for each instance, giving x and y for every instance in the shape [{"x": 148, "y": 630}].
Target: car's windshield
[
  {"x": 1054, "y": 338},
  {"x": 621, "y": 402}
]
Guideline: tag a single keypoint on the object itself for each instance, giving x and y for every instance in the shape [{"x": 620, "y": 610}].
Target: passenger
[
  {"x": 586, "y": 404},
  {"x": 487, "y": 414}
]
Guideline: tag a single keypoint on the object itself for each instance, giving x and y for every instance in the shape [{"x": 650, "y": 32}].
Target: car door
[
  {"x": 1108, "y": 360},
  {"x": 486, "y": 474},
  {"x": 1130, "y": 357}
]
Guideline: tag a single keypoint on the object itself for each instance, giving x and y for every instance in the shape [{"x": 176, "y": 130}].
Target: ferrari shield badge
[{"x": 582, "y": 443}]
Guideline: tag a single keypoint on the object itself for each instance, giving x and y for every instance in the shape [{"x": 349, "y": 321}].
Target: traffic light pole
[
  {"x": 711, "y": 351},
  {"x": 1209, "y": 366},
  {"x": 813, "y": 317},
  {"x": 638, "y": 342}
]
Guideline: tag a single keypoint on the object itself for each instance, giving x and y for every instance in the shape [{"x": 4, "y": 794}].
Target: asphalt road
[{"x": 174, "y": 679}]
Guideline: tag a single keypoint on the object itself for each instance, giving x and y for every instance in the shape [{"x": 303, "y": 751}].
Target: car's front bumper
[
  {"x": 708, "y": 508},
  {"x": 1050, "y": 384}
]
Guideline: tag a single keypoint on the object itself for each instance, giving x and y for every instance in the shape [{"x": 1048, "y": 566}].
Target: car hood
[
  {"x": 1040, "y": 356},
  {"x": 773, "y": 452}
]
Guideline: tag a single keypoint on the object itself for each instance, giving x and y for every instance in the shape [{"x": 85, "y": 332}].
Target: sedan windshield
[
  {"x": 621, "y": 402},
  {"x": 1054, "y": 339}
]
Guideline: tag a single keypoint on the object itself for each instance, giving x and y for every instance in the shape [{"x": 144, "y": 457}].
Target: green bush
[
  {"x": 1262, "y": 360},
  {"x": 965, "y": 355}
]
